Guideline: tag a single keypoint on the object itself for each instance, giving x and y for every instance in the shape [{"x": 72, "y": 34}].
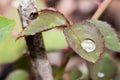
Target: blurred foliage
[
  {"x": 54, "y": 40},
  {"x": 104, "y": 69},
  {"x": 11, "y": 50},
  {"x": 75, "y": 74},
  {"x": 84, "y": 70},
  {"x": 18, "y": 75},
  {"x": 6, "y": 26}
]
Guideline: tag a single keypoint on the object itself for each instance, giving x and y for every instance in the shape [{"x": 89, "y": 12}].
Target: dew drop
[
  {"x": 88, "y": 45},
  {"x": 100, "y": 74}
]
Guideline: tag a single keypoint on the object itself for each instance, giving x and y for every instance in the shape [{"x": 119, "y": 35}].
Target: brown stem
[
  {"x": 101, "y": 9},
  {"x": 35, "y": 44}
]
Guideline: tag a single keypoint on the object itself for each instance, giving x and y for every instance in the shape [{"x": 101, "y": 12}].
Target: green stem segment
[{"x": 61, "y": 70}]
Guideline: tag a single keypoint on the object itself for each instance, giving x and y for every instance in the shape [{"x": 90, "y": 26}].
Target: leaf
[
  {"x": 104, "y": 69},
  {"x": 110, "y": 36},
  {"x": 86, "y": 40},
  {"x": 84, "y": 70},
  {"x": 46, "y": 20},
  {"x": 10, "y": 50},
  {"x": 18, "y": 75},
  {"x": 6, "y": 26},
  {"x": 56, "y": 37}
]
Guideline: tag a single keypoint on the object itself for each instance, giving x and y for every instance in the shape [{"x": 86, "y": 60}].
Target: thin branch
[
  {"x": 35, "y": 44},
  {"x": 101, "y": 9}
]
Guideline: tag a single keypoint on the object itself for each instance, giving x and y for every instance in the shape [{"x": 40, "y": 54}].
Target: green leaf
[
  {"x": 10, "y": 50},
  {"x": 110, "y": 36},
  {"x": 18, "y": 75},
  {"x": 86, "y": 40},
  {"x": 6, "y": 26},
  {"x": 46, "y": 20},
  {"x": 56, "y": 37},
  {"x": 104, "y": 69}
]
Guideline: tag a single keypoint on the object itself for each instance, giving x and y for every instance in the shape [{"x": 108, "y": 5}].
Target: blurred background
[{"x": 13, "y": 53}]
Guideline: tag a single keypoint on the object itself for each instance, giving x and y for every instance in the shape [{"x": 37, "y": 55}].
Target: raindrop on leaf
[
  {"x": 88, "y": 45},
  {"x": 86, "y": 40},
  {"x": 100, "y": 74}
]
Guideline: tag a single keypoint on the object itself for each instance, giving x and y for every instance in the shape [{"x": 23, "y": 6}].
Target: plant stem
[
  {"x": 101, "y": 9},
  {"x": 61, "y": 70},
  {"x": 41, "y": 66}
]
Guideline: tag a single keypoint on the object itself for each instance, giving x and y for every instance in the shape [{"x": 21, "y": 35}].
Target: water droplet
[
  {"x": 100, "y": 74},
  {"x": 88, "y": 45}
]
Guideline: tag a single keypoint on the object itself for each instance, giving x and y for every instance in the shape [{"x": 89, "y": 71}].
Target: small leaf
[
  {"x": 110, "y": 36},
  {"x": 6, "y": 26},
  {"x": 46, "y": 20},
  {"x": 104, "y": 69},
  {"x": 85, "y": 39},
  {"x": 18, "y": 75}
]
